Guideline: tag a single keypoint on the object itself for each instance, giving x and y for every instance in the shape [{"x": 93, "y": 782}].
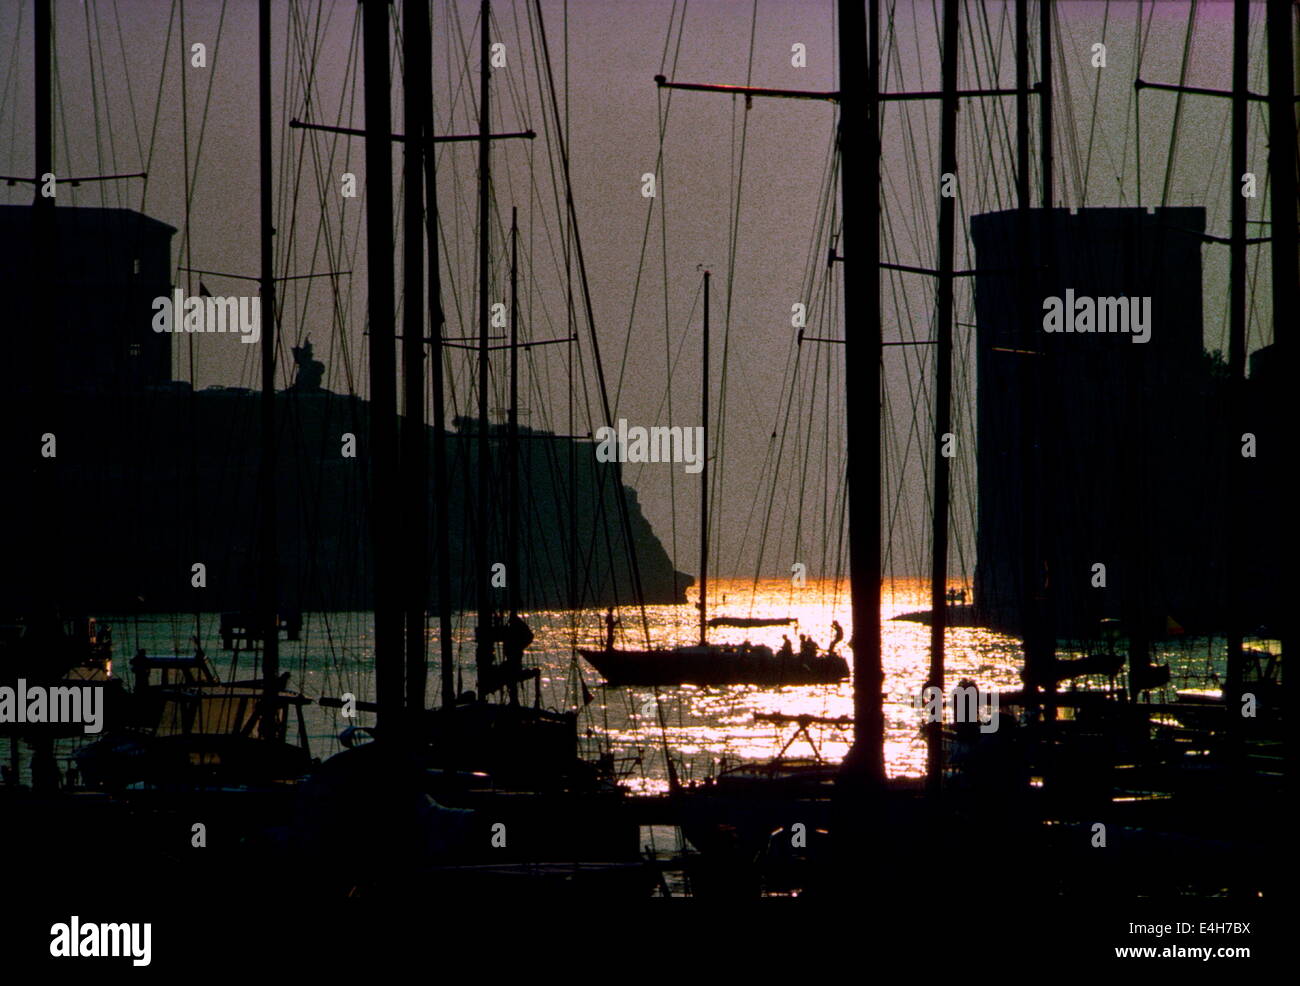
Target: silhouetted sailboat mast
[
  {"x": 1037, "y": 644},
  {"x": 512, "y": 447},
  {"x": 417, "y": 114},
  {"x": 942, "y": 389},
  {"x": 860, "y": 155},
  {"x": 482, "y": 583},
  {"x": 43, "y": 529},
  {"x": 269, "y": 553},
  {"x": 441, "y": 499},
  {"x": 704, "y": 469},
  {"x": 390, "y": 672}
]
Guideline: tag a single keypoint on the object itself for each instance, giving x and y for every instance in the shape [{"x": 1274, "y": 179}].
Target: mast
[
  {"x": 1043, "y": 635},
  {"x": 389, "y": 661},
  {"x": 1028, "y": 526},
  {"x": 442, "y": 537},
  {"x": 1045, "y": 100},
  {"x": 43, "y": 532},
  {"x": 416, "y": 83},
  {"x": 860, "y": 155},
  {"x": 43, "y": 155},
  {"x": 1034, "y": 640},
  {"x": 942, "y": 393},
  {"x": 268, "y": 549},
  {"x": 1022, "y": 108},
  {"x": 1237, "y": 329},
  {"x": 512, "y": 438},
  {"x": 484, "y": 650},
  {"x": 704, "y": 471},
  {"x": 1240, "y": 134},
  {"x": 43, "y": 552}
]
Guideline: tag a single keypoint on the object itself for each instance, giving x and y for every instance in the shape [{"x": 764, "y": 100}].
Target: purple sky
[{"x": 611, "y": 51}]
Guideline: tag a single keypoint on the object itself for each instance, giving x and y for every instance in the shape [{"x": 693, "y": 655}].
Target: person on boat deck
[
  {"x": 611, "y": 621},
  {"x": 807, "y": 647},
  {"x": 140, "y": 665},
  {"x": 839, "y": 635},
  {"x": 787, "y": 649}
]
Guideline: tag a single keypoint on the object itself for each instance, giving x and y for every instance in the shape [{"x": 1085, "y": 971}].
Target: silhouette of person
[
  {"x": 515, "y": 638},
  {"x": 611, "y": 621},
  {"x": 140, "y": 665},
  {"x": 839, "y": 635}
]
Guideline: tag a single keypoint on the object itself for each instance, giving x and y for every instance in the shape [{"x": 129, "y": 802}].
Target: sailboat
[
  {"x": 856, "y": 805},
  {"x": 473, "y": 795},
  {"x": 751, "y": 621},
  {"x": 706, "y": 663},
  {"x": 1071, "y": 759},
  {"x": 1042, "y": 778},
  {"x": 186, "y": 729}
]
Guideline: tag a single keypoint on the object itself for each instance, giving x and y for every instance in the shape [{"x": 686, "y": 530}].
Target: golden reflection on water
[
  {"x": 702, "y": 727},
  {"x": 706, "y": 728}
]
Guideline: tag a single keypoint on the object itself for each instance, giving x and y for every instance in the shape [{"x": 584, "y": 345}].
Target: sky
[{"x": 743, "y": 191}]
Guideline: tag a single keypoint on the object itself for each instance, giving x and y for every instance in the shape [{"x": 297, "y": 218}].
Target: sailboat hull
[{"x": 714, "y": 665}]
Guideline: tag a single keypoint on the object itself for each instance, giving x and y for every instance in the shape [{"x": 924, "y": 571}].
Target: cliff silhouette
[{"x": 153, "y": 480}]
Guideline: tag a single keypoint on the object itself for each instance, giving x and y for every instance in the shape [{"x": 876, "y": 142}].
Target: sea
[{"x": 703, "y": 729}]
